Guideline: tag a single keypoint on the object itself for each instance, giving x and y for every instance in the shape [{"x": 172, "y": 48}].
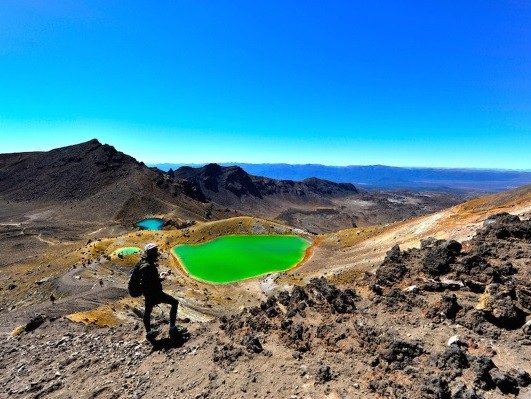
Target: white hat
[{"x": 150, "y": 246}]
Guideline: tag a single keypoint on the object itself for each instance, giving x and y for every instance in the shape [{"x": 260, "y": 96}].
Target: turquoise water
[
  {"x": 238, "y": 257},
  {"x": 150, "y": 224}
]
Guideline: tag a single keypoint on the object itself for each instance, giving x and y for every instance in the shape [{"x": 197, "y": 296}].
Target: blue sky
[{"x": 339, "y": 82}]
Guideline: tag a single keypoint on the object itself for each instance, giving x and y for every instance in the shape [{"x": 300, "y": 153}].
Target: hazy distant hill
[{"x": 389, "y": 178}]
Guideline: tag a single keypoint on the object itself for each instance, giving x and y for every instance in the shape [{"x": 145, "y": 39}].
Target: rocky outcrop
[{"x": 485, "y": 269}]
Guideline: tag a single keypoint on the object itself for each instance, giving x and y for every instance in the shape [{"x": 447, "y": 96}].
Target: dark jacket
[{"x": 151, "y": 283}]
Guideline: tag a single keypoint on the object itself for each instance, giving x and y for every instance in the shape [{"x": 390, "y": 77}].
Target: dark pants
[{"x": 162, "y": 298}]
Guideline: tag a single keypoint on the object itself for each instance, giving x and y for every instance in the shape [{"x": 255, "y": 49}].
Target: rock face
[
  {"x": 392, "y": 270},
  {"x": 483, "y": 269}
]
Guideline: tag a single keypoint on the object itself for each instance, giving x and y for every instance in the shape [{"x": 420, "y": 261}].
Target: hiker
[
  {"x": 152, "y": 290},
  {"x": 52, "y": 298}
]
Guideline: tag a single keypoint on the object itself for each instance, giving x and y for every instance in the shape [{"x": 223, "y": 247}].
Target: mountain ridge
[
  {"x": 391, "y": 177},
  {"x": 213, "y": 177}
]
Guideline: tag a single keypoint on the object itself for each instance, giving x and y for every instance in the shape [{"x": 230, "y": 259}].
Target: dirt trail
[{"x": 39, "y": 237}]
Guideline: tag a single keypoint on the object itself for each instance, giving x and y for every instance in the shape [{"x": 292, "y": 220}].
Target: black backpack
[{"x": 135, "y": 282}]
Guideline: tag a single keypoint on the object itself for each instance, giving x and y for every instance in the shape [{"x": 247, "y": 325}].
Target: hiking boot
[
  {"x": 151, "y": 335},
  {"x": 174, "y": 331}
]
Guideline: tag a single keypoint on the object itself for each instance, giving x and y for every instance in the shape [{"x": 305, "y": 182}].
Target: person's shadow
[{"x": 176, "y": 341}]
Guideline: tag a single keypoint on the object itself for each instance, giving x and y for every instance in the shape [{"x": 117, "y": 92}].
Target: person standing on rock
[{"x": 152, "y": 291}]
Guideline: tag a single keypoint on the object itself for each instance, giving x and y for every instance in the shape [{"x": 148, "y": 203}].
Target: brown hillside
[{"x": 364, "y": 248}]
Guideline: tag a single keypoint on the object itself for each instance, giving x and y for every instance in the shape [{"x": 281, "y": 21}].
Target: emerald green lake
[{"x": 238, "y": 257}]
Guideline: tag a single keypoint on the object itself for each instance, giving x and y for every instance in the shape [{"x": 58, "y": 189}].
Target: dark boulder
[
  {"x": 449, "y": 306},
  {"x": 295, "y": 302},
  {"x": 399, "y": 354},
  {"x": 481, "y": 366},
  {"x": 338, "y": 300},
  {"x": 435, "y": 388},
  {"x": 296, "y": 336},
  {"x": 506, "y": 226},
  {"x": 396, "y": 300},
  {"x": 453, "y": 358},
  {"x": 474, "y": 265},
  {"x": 252, "y": 343},
  {"x": 35, "y": 323},
  {"x": 500, "y": 309},
  {"x": 270, "y": 307},
  {"x": 324, "y": 374},
  {"x": 392, "y": 269},
  {"x": 505, "y": 382},
  {"x": 226, "y": 354},
  {"x": 298, "y": 295},
  {"x": 439, "y": 258},
  {"x": 476, "y": 321},
  {"x": 522, "y": 377},
  {"x": 283, "y": 298},
  {"x": 501, "y": 218},
  {"x": 378, "y": 290},
  {"x": 394, "y": 254}
]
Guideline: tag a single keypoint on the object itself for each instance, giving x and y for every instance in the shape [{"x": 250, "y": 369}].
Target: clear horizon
[{"x": 407, "y": 85}]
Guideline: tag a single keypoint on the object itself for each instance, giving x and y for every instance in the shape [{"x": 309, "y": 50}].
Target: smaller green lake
[
  {"x": 150, "y": 224},
  {"x": 238, "y": 257},
  {"x": 127, "y": 251}
]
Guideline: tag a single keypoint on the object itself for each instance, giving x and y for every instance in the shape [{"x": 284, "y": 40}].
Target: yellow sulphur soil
[
  {"x": 17, "y": 331},
  {"x": 103, "y": 316}
]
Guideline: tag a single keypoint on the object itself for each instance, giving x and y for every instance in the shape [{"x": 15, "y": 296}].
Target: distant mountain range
[{"x": 390, "y": 178}]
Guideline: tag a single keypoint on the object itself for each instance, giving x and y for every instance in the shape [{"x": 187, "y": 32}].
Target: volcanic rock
[
  {"x": 440, "y": 256},
  {"x": 392, "y": 269}
]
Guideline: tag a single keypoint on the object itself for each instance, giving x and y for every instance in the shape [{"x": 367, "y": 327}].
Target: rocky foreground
[{"x": 448, "y": 320}]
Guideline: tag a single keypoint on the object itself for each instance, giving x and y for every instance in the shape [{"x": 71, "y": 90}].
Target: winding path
[{"x": 82, "y": 294}]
